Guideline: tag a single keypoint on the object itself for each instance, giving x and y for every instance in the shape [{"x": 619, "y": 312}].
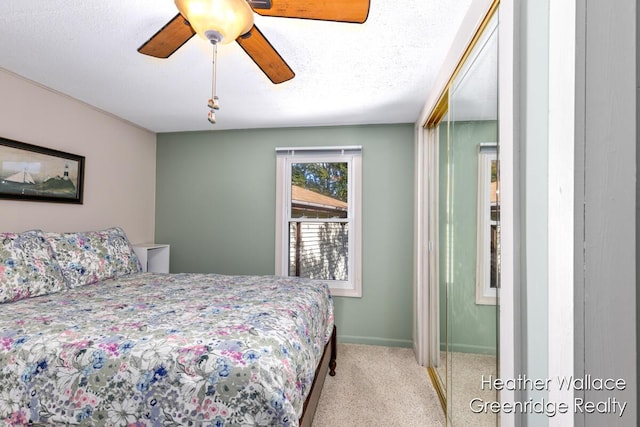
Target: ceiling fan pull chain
[{"x": 213, "y": 102}]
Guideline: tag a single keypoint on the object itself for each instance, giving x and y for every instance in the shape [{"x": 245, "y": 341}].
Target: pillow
[
  {"x": 28, "y": 266},
  {"x": 91, "y": 256},
  {"x": 123, "y": 257}
]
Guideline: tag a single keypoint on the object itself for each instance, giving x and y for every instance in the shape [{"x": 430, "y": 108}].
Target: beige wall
[{"x": 119, "y": 168}]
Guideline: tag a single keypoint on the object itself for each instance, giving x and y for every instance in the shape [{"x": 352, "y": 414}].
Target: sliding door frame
[{"x": 426, "y": 317}]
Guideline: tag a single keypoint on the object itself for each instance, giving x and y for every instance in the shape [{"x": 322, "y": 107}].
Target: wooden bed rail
[{"x": 327, "y": 363}]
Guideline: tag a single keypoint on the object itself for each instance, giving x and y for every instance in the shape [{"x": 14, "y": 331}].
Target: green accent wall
[
  {"x": 469, "y": 327},
  {"x": 215, "y": 206}
]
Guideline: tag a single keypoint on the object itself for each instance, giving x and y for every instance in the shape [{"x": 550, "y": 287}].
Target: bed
[{"x": 87, "y": 339}]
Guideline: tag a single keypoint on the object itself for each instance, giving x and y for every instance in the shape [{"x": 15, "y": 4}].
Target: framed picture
[{"x": 30, "y": 172}]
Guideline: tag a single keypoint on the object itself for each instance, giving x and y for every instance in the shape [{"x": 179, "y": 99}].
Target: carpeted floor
[
  {"x": 378, "y": 386},
  {"x": 468, "y": 369}
]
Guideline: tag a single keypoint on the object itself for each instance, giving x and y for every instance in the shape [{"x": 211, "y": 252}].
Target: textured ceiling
[{"x": 377, "y": 72}]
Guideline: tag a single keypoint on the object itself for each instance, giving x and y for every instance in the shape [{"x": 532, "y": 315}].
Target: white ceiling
[{"x": 374, "y": 73}]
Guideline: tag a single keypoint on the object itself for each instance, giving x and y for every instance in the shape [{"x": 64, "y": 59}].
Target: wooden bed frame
[{"x": 327, "y": 363}]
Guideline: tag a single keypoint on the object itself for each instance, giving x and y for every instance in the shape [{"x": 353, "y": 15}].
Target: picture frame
[{"x": 33, "y": 173}]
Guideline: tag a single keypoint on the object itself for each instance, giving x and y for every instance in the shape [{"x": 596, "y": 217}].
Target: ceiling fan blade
[
  {"x": 168, "y": 39},
  {"x": 265, "y": 56},
  {"x": 355, "y": 11}
]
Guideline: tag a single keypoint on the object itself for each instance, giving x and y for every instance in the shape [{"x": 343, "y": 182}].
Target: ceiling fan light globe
[{"x": 228, "y": 18}]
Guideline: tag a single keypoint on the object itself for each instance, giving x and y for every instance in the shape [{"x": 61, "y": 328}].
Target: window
[
  {"x": 488, "y": 250},
  {"x": 318, "y": 206}
]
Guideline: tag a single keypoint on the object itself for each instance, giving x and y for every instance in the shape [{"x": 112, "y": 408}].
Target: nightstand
[{"x": 154, "y": 257}]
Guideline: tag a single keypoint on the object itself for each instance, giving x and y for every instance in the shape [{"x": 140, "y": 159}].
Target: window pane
[
  {"x": 494, "y": 206},
  {"x": 494, "y": 217},
  {"x": 495, "y": 256},
  {"x": 319, "y": 190},
  {"x": 319, "y": 250}
]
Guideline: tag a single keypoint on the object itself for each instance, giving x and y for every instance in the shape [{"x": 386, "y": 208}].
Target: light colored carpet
[
  {"x": 468, "y": 369},
  {"x": 465, "y": 371},
  {"x": 378, "y": 386}
]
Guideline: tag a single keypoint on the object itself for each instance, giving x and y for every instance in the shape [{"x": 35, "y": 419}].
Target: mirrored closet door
[{"x": 465, "y": 202}]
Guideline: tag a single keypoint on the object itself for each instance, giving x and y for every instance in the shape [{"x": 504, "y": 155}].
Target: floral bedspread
[{"x": 164, "y": 350}]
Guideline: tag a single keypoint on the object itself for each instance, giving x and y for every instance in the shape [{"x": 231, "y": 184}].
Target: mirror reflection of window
[
  {"x": 488, "y": 230},
  {"x": 494, "y": 223}
]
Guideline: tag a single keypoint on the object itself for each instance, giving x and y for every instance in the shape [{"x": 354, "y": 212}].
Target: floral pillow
[
  {"x": 28, "y": 266},
  {"x": 91, "y": 256}
]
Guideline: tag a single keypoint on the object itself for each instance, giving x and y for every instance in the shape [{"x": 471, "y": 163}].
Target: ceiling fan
[{"x": 222, "y": 21}]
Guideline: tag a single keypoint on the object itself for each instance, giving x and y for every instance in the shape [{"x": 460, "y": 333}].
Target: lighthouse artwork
[{"x": 30, "y": 172}]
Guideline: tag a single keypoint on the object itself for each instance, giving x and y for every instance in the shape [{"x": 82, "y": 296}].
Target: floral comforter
[{"x": 164, "y": 350}]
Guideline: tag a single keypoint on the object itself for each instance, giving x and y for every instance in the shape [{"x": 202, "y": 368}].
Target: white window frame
[
  {"x": 352, "y": 155},
  {"x": 485, "y": 294}
]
